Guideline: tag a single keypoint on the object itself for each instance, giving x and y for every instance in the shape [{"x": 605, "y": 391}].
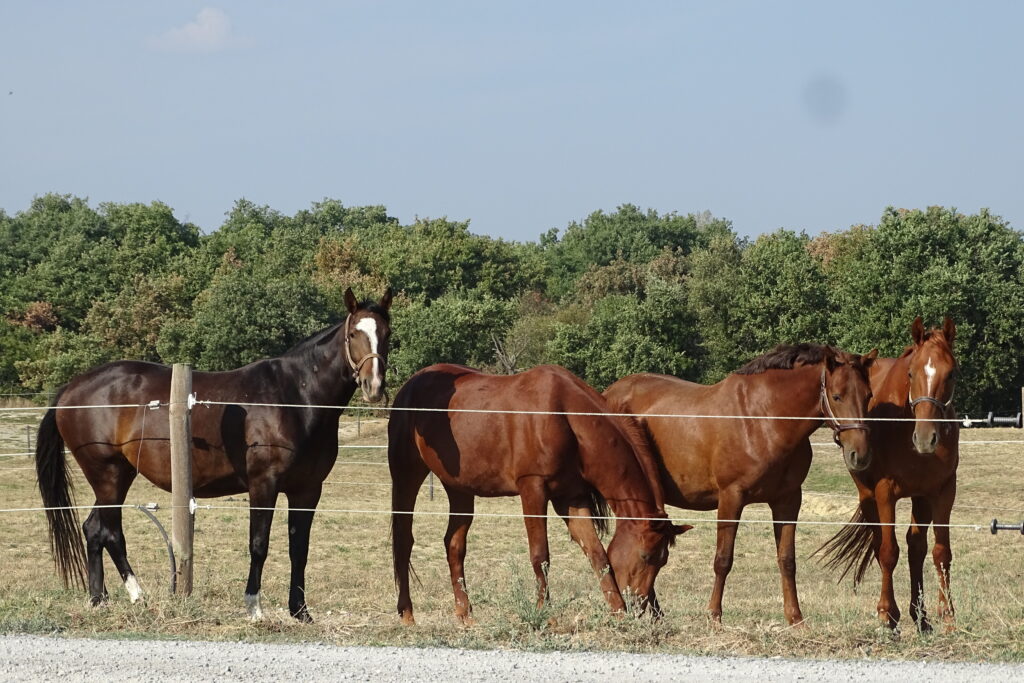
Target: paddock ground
[{"x": 351, "y": 592}]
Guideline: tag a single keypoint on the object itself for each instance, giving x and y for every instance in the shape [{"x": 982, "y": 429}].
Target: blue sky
[{"x": 519, "y": 116}]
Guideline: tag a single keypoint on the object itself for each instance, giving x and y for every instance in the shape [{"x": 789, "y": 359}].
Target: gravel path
[{"x": 35, "y": 658}]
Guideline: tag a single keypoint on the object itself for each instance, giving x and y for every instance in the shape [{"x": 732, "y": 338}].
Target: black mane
[{"x": 787, "y": 357}]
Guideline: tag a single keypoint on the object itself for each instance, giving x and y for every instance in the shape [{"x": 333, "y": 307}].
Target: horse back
[{"x": 514, "y": 426}]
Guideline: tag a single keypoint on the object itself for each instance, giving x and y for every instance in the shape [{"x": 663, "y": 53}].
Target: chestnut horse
[
  {"x": 915, "y": 458},
  {"x": 547, "y": 452},
  {"x": 262, "y": 450},
  {"x": 708, "y": 462}
]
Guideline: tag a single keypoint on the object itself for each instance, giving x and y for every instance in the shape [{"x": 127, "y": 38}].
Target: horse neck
[
  {"x": 794, "y": 393},
  {"x": 617, "y": 474},
  {"x": 323, "y": 371},
  {"x": 891, "y": 391}
]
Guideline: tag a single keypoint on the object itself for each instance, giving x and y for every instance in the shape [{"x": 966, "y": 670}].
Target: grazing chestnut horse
[
  {"x": 262, "y": 450},
  {"x": 711, "y": 462},
  {"x": 547, "y": 453},
  {"x": 915, "y": 458}
]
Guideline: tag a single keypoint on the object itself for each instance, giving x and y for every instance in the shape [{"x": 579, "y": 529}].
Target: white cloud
[{"x": 210, "y": 31}]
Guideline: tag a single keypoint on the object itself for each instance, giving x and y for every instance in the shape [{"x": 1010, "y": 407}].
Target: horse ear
[
  {"x": 681, "y": 528},
  {"x": 917, "y": 330},
  {"x": 949, "y": 329},
  {"x": 869, "y": 358},
  {"x": 831, "y": 361},
  {"x": 350, "y": 301},
  {"x": 385, "y": 301}
]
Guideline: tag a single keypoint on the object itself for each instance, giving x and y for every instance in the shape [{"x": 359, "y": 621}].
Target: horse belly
[{"x": 687, "y": 476}]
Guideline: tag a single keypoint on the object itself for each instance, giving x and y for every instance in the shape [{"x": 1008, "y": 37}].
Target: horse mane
[{"x": 787, "y": 357}]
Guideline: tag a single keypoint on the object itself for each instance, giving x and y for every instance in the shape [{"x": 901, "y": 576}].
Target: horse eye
[{"x": 835, "y": 397}]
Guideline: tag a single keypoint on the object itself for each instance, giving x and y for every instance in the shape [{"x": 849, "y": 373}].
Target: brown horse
[
  {"x": 551, "y": 453},
  {"x": 709, "y": 463},
  {"x": 262, "y": 450},
  {"x": 915, "y": 458}
]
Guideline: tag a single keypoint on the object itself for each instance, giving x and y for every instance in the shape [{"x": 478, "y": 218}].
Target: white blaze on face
[
  {"x": 369, "y": 327},
  {"x": 131, "y": 584},
  {"x": 929, "y": 371}
]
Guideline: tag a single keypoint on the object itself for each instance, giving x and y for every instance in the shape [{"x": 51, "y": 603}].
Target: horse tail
[
  {"x": 57, "y": 492},
  {"x": 601, "y": 512},
  {"x": 851, "y": 549}
]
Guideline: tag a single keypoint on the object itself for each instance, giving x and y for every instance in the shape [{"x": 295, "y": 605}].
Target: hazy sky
[{"x": 519, "y": 116}]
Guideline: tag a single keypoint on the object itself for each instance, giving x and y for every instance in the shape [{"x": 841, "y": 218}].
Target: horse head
[
  {"x": 638, "y": 551},
  {"x": 845, "y": 392},
  {"x": 367, "y": 342},
  {"x": 932, "y": 380}
]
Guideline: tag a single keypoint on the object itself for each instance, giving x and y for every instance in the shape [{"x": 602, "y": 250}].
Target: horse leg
[
  {"x": 535, "y": 506},
  {"x": 730, "y": 507},
  {"x": 301, "y": 508},
  {"x": 787, "y": 510},
  {"x": 262, "y": 498},
  {"x": 579, "y": 520},
  {"x": 942, "y": 554},
  {"x": 917, "y": 548},
  {"x": 93, "y": 530},
  {"x": 103, "y": 529},
  {"x": 888, "y": 556},
  {"x": 406, "y": 480},
  {"x": 460, "y": 516}
]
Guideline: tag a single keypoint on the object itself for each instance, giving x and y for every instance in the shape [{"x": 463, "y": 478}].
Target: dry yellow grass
[{"x": 352, "y": 596}]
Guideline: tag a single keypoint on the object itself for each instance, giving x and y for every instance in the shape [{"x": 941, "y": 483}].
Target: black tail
[
  {"x": 851, "y": 548},
  {"x": 58, "y": 499},
  {"x": 601, "y": 513}
]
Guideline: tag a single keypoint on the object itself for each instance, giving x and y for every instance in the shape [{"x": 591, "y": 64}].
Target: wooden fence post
[{"x": 182, "y": 520}]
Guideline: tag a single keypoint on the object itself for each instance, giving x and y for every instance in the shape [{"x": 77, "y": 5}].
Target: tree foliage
[{"x": 619, "y": 292}]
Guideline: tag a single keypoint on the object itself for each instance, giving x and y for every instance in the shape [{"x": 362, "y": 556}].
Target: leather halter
[
  {"x": 348, "y": 353},
  {"x": 914, "y": 402},
  {"x": 830, "y": 417}
]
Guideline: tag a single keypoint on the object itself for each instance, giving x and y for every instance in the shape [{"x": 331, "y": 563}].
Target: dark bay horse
[
  {"x": 709, "y": 463},
  {"x": 914, "y": 459},
  {"x": 578, "y": 462},
  {"x": 262, "y": 450}
]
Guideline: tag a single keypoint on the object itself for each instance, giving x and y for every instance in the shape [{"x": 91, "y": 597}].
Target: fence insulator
[{"x": 996, "y": 527}]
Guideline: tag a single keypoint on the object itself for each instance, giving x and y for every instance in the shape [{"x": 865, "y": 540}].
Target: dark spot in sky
[{"x": 824, "y": 99}]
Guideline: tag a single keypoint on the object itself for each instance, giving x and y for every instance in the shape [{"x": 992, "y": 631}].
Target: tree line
[{"x": 619, "y": 292}]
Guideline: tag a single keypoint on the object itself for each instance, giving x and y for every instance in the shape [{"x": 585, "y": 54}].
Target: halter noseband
[
  {"x": 348, "y": 352},
  {"x": 831, "y": 419},
  {"x": 914, "y": 402}
]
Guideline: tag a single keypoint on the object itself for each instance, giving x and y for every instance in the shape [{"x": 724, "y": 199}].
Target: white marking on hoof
[
  {"x": 252, "y": 605},
  {"x": 131, "y": 584}
]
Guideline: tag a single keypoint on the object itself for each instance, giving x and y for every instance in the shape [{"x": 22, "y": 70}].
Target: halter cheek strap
[
  {"x": 348, "y": 352},
  {"x": 830, "y": 417}
]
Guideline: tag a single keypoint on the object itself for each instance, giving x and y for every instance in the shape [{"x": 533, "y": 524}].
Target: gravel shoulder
[{"x": 36, "y": 658}]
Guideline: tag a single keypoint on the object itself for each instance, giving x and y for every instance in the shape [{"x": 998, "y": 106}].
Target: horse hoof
[{"x": 302, "y": 615}]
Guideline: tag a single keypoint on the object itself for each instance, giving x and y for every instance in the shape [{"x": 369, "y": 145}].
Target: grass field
[{"x": 352, "y": 597}]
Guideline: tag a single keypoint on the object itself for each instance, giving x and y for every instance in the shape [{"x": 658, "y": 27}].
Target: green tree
[
  {"x": 935, "y": 263},
  {"x": 453, "y": 328}
]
